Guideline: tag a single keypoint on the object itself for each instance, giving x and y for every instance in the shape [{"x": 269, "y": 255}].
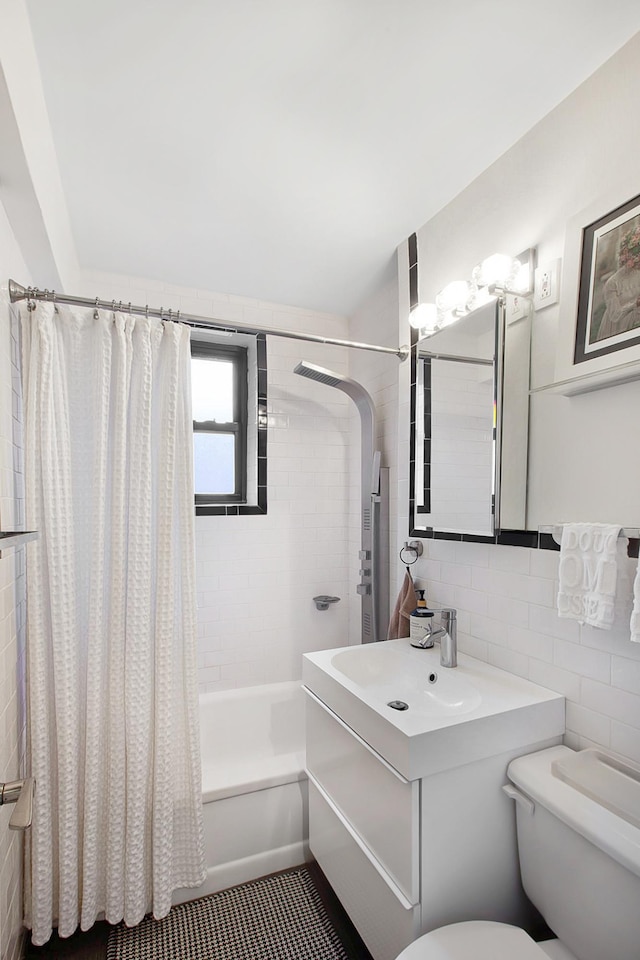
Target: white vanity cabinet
[
  {"x": 405, "y": 856},
  {"x": 364, "y": 831}
]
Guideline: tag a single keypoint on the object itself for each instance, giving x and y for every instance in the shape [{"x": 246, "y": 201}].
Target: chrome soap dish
[{"x": 323, "y": 602}]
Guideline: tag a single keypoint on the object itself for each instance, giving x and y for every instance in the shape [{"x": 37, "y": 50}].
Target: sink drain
[{"x": 398, "y": 705}]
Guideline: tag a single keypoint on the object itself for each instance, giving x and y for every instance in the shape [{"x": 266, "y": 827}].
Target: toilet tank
[{"x": 578, "y": 826}]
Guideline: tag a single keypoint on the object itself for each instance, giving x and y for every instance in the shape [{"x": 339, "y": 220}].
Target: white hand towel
[
  {"x": 635, "y": 613},
  {"x": 588, "y": 573}
]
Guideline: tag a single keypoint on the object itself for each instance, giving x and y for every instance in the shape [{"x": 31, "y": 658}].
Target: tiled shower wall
[
  {"x": 12, "y": 603},
  {"x": 256, "y": 576}
]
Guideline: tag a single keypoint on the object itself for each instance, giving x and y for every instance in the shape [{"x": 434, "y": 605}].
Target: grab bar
[{"x": 21, "y": 793}]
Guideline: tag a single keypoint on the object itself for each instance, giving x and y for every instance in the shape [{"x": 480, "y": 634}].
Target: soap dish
[{"x": 323, "y": 602}]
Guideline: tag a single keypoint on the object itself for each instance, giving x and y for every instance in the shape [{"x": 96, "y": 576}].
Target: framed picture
[{"x": 609, "y": 292}]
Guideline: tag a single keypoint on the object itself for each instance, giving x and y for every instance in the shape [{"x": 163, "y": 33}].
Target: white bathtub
[{"x": 254, "y": 788}]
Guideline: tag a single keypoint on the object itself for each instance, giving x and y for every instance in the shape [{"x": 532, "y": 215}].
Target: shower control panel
[{"x": 364, "y": 589}]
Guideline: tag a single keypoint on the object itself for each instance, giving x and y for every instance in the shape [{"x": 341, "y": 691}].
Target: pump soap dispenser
[{"x": 420, "y": 625}]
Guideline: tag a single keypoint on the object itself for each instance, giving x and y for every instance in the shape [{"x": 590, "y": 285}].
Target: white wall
[
  {"x": 12, "y": 601},
  {"x": 506, "y": 596},
  {"x": 256, "y": 576}
]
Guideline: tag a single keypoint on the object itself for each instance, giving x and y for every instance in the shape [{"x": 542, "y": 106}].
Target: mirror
[{"x": 470, "y": 432}]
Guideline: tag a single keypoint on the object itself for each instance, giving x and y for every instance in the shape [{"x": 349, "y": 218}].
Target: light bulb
[
  {"x": 424, "y": 316},
  {"x": 455, "y": 295},
  {"x": 498, "y": 270}
]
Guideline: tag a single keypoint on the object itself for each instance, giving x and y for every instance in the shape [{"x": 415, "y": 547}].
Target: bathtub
[{"x": 254, "y": 788}]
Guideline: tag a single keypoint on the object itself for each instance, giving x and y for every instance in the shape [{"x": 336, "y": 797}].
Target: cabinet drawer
[
  {"x": 380, "y": 805},
  {"x": 385, "y": 920}
]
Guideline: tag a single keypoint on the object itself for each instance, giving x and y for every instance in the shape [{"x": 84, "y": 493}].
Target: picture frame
[{"x": 608, "y": 309}]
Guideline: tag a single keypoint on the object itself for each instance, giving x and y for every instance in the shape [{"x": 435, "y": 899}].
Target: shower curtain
[{"x": 112, "y": 689}]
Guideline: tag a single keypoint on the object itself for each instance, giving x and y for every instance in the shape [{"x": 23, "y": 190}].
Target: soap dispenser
[{"x": 420, "y": 625}]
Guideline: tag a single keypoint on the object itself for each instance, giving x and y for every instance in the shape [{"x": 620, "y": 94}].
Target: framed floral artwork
[{"x": 609, "y": 292}]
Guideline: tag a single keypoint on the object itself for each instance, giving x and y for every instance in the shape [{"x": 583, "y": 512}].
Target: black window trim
[{"x": 238, "y": 426}]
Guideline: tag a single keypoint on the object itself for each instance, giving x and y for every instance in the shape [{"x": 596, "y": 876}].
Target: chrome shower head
[
  {"x": 352, "y": 388},
  {"x": 312, "y": 372}
]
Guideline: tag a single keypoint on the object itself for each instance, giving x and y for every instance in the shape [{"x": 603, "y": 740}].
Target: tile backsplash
[{"x": 506, "y": 602}]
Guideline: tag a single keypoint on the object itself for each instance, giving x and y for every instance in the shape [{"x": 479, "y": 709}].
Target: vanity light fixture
[
  {"x": 499, "y": 273},
  {"x": 505, "y": 274}
]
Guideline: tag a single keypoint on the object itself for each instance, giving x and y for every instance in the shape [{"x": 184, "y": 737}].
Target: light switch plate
[{"x": 547, "y": 284}]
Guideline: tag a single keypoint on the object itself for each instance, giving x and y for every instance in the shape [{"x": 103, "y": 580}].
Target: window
[{"x": 229, "y": 424}]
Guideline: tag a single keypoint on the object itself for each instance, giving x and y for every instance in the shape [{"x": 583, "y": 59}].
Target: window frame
[{"x": 238, "y": 355}]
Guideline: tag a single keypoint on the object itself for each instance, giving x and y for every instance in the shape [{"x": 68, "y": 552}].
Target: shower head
[
  {"x": 331, "y": 379},
  {"x": 312, "y": 372}
]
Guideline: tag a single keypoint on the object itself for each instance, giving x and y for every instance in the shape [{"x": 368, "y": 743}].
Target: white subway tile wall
[
  {"x": 12, "y": 603},
  {"x": 257, "y": 576},
  {"x": 509, "y": 618}
]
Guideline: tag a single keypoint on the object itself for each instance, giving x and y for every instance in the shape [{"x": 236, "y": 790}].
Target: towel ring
[{"x": 415, "y": 547}]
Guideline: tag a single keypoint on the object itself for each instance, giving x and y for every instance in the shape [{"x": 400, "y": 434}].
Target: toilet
[{"x": 578, "y": 826}]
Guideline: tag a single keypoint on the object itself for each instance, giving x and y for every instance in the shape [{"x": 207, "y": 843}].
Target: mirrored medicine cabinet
[{"x": 470, "y": 417}]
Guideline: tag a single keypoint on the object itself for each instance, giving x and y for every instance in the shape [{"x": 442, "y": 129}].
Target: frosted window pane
[
  {"x": 214, "y": 462},
  {"x": 212, "y": 389}
]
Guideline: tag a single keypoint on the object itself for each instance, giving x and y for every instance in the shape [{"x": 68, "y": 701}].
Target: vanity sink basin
[
  {"x": 424, "y": 718},
  {"x": 388, "y": 674}
]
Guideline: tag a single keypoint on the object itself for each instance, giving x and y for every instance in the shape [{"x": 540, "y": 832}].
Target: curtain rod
[{"x": 18, "y": 292}]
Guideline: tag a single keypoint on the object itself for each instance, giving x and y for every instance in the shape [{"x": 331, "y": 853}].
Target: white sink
[
  {"x": 389, "y": 675},
  {"x": 453, "y": 716}
]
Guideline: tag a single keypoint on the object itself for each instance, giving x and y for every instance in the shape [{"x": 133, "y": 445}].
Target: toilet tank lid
[{"x": 594, "y": 792}]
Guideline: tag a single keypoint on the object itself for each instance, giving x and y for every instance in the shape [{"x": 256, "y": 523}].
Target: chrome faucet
[
  {"x": 447, "y": 634},
  {"x": 449, "y": 638}
]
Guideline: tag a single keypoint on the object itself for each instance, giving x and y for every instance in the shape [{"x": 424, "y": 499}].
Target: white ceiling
[{"x": 282, "y": 149}]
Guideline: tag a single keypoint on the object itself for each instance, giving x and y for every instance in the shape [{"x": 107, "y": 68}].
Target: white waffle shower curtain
[{"x": 112, "y": 686}]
